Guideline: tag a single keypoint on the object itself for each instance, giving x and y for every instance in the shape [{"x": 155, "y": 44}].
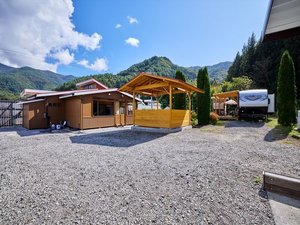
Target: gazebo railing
[{"x": 162, "y": 118}]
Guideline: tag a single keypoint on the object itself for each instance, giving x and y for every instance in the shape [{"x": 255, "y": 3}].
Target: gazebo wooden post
[
  {"x": 170, "y": 103},
  {"x": 190, "y": 112},
  {"x": 156, "y": 98},
  {"x": 133, "y": 107}
]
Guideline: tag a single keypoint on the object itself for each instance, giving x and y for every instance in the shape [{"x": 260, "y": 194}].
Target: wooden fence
[{"x": 11, "y": 113}]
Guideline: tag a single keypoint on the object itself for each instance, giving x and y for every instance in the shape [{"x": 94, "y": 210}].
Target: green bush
[
  {"x": 179, "y": 99},
  {"x": 286, "y": 91},
  {"x": 203, "y": 100},
  {"x": 194, "y": 120}
]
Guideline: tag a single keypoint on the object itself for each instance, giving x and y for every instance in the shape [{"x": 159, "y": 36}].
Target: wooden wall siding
[
  {"x": 152, "y": 118},
  {"x": 120, "y": 120},
  {"x": 73, "y": 112},
  {"x": 114, "y": 96},
  {"x": 129, "y": 120},
  {"x": 96, "y": 122},
  {"x": 162, "y": 118},
  {"x": 180, "y": 118},
  {"x": 56, "y": 112},
  {"x": 26, "y": 116},
  {"x": 87, "y": 104},
  {"x": 34, "y": 116},
  {"x": 92, "y": 86}
]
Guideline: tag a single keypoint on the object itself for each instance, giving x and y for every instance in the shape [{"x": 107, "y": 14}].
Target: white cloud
[
  {"x": 118, "y": 26},
  {"x": 133, "y": 42},
  {"x": 100, "y": 64},
  {"x": 38, "y": 30},
  {"x": 64, "y": 57},
  {"x": 132, "y": 20}
]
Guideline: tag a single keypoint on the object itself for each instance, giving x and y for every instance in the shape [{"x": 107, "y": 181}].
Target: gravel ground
[{"x": 115, "y": 176}]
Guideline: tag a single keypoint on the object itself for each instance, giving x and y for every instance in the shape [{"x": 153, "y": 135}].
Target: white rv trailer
[{"x": 256, "y": 103}]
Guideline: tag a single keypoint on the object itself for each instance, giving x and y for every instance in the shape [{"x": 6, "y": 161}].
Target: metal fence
[{"x": 11, "y": 113}]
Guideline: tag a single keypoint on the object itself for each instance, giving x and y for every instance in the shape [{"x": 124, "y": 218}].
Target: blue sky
[{"x": 189, "y": 32}]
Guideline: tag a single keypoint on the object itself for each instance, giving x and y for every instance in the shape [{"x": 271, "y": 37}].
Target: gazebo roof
[
  {"x": 149, "y": 84},
  {"x": 228, "y": 94}
]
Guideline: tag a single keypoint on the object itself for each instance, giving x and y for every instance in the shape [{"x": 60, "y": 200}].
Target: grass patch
[
  {"x": 220, "y": 123},
  {"x": 256, "y": 180},
  {"x": 280, "y": 130}
]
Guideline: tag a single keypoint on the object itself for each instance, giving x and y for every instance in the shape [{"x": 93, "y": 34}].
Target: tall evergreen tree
[
  {"x": 179, "y": 99},
  {"x": 234, "y": 69},
  {"x": 286, "y": 91},
  {"x": 203, "y": 100}
]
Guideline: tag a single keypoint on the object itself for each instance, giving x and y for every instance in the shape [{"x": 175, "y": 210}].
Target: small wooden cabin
[
  {"x": 93, "y": 105},
  {"x": 153, "y": 85}
]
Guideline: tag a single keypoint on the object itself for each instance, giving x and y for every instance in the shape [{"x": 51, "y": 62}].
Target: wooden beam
[
  {"x": 151, "y": 86},
  {"x": 281, "y": 184},
  {"x": 190, "y": 112},
  {"x": 170, "y": 97},
  {"x": 170, "y": 105},
  {"x": 133, "y": 107}
]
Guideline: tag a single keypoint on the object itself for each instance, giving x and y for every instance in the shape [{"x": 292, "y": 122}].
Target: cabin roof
[
  {"x": 282, "y": 20},
  {"x": 31, "y": 101},
  {"x": 149, "y": 84},
  {"x": 56, "y": 93},
  {"x": 30, "y": 92},
  {"x": 93, "y": 92},
  {"x": 90, "y": 81}
]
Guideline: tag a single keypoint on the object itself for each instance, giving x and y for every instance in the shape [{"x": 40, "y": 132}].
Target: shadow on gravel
[
  {"x": 21, "y": 131},
  {"x": 250, "y": 124},
  {"x": 277, "y": 133},
  {"x": 122, "y": 138}
]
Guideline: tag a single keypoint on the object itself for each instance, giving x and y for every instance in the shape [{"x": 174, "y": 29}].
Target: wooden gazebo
[
  {"x": 219, "y": 101},
  {"x": 153, "y": 85}
]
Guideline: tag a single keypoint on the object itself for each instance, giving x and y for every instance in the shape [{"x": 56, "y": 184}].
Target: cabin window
[
  {"x": 103, "y": 108},
  {"x": 129, "y": 109},
  {"x": 91, "y": 86},
  {"x": 122, "y": 107}
]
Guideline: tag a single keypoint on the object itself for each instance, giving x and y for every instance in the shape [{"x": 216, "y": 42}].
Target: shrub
[
  {"x": 286, "y": 91},
  {"x": 179, "y": 99},
  {"x": 194, "y": 120},
  {"x": 213, "y": 118},
  {"x": 203, "y": 100}
]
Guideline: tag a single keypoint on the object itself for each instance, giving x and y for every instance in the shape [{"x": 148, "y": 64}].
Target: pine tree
[
  {"x": 179, "y": 99},
  {"x": 286, "y": 91},
  {"x": 203, "y": 100}
]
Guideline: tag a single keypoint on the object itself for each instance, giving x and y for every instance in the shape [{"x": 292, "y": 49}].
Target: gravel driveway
[{"x": 115, "y": 176}]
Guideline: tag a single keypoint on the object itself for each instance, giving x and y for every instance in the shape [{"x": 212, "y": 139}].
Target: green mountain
[
  {"x": 158, "y": 65},
  {"x": 163, "y": 66},
  {"x": 14, "y": 80},
  {"x": 155, "y": 65},
  {"x": 216, "y": 72}
]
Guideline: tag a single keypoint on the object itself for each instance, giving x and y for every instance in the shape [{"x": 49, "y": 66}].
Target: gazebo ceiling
[
  {"x": 228, "y": 94},
  {"x": 149, "y": 84}
]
